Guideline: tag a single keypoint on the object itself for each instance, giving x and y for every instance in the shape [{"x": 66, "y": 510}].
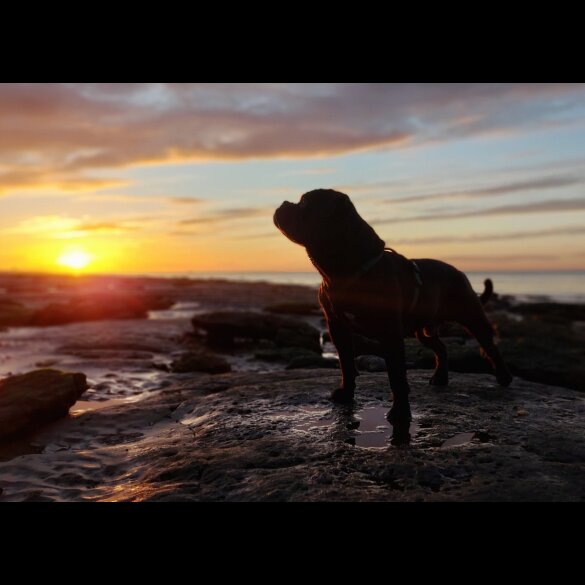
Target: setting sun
[{"x": 75, "y": 259}]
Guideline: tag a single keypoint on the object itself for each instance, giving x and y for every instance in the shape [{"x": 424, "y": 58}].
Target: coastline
[
  {"x": 144, "y": 346},
  {"x": 564, "y": 286}
]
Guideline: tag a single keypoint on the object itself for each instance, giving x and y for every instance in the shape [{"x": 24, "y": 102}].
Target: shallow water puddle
[
  {"x": 83, "y": 406},
  {"x": 374, "y": 430},
  {"x": 459, "y": 439},
  {"x": 180, "y": 310},
  {"x": 366, "y": 428}
]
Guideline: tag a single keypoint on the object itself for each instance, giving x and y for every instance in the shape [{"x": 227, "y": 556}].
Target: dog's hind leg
[
  {"x": 441, "y": 374},
  {"x": 482, "y": 330}
]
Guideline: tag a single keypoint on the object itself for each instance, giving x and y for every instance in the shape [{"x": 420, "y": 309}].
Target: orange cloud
[{"x": 62, "y": 227}]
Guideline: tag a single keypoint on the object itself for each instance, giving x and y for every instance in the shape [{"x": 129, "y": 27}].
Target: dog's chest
[
  {"x": 364, "y": 310},
  {"x": 359, "y": 316}
]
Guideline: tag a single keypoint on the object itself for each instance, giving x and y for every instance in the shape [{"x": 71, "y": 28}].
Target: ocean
[{"x": 564, "y": 287}]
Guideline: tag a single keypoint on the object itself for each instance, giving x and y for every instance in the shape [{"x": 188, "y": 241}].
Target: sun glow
[{"x": 75, "y": 259}]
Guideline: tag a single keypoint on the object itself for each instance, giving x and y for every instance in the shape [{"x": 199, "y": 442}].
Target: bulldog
[{"x": 375, "y": 291}]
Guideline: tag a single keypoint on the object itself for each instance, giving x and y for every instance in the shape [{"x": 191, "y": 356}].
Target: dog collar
[
  {"x": 363, "y": 269},
  {"x": 417, "y": 285},
  {"x": 367, "y": 266}
]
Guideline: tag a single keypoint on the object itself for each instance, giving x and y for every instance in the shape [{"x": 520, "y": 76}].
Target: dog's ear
[{"x": 342, "y": 206}]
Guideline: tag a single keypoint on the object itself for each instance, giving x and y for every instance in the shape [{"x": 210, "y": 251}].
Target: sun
[{"x": 75, "y": 259}]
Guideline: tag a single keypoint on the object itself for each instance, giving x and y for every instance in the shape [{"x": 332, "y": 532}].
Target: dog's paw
[
  {"x": 399, "y": 414},
  {"x": 400, "y": 434},
  {"x": 439, "y": 379},
  {"x": 342, "y": 395},
  {"x": 504, "y": 378}
]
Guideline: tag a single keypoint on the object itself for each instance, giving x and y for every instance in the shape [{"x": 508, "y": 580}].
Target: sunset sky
[{"x": 137, "y": 178}]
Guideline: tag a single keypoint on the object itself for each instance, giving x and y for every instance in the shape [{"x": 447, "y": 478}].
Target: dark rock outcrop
[
  {"x": 30, "y": 400},
  {"x": 224, "y": 327},
  {"x": 312, "y": 361},
  {"x": 294, "y": 308},
  {"x": 296, "y": 357},
  {"x": 98, "y": 308},
  {"x": 370, "y": 363},
  {"x": 559, "y": 312},
  {"x": 13, "y": 313},
  {"x": 198, "y": 361}
]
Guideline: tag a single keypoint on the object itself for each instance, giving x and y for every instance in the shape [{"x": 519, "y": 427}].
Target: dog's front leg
[
  {"x": 342, "y": 338},
  {"x": 395, "y": 357}
]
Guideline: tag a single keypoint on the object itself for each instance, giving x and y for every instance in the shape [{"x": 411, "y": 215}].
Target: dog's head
[{"x": 327, "y": 224}]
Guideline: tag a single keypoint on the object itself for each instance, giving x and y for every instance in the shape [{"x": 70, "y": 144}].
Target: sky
[{"x": 153, "y": 178}]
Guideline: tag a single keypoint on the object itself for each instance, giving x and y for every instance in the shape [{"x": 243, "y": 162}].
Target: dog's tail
[{"x": 487, "y": 291}]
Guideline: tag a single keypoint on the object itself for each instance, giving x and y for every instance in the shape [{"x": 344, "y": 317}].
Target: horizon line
[{"x": 194, "y": 272}]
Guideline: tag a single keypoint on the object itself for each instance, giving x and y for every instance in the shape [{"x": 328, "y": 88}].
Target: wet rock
[
  {"x": 296, "y": 357},
  {"x": 13, "y": 313},
  {"x": 270, "y": 355},
  {"x": 46, "y": 363},
  {"x": 110, "y": 345},
  {"x": 366, "y": 346},
  {"x": 104, "y": 354},
  {"x": 312, "y": 361},
  {"x": 163, "y": 367},
  {"x": 294, "y": 308},
  {"x": 559, "y": 312},
  {"x": 370, "y": 363},
  {"x": 543, "y": 351},
  {"x": 98, "y": 308},
  {"x": 431, "y": 478},
  {"x": 224, "y": 327},
  {"x": 484, "y": 437},
  {"x": 283, "y": 354},
  {"x": 30, "y": 400},
  {"x": 277, "y": 437},
  {"x": 200, "y": 362}
]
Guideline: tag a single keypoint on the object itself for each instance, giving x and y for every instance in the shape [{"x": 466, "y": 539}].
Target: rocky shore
[
  {"x": 211, "y": 389},
  {"x": 276, "y": 437}
]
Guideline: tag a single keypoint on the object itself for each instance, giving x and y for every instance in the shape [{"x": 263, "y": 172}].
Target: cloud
[
  {"x": 313, "y": 171},
  {"x": 43, "y": 178},
  {"x": 185, "y": 200},
  {"x": 501, "y": 258},
  {"x": 496, "y": 190},
  {"x": 108, "y": 227},
  {"x": 561, "y": 231},
  {"x": 59, "y": 134},
  {"x": 258, "y": 236},
  {"x": 225, "y": 215},
  {"x": 63, "y": 227},
  {"x": 375, "y": 187},
  {"x": 549, "y": 206}
]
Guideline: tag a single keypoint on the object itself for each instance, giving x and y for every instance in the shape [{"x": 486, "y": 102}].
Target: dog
[{"x": 377, "y": 292}]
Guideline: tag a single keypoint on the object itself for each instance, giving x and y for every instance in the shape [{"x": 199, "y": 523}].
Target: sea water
[{"x": 564, "y": 287}]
